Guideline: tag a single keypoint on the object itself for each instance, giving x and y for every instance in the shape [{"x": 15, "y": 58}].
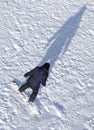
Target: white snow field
[{"x": 60, "y": 32}]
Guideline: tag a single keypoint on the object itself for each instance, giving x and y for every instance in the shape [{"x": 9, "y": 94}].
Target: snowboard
[{"x": 24, "y": 96}]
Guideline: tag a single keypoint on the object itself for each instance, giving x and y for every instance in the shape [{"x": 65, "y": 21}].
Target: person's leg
[
  {"x": 23, "y": 87},
  {"x": 33, "y": 95}
]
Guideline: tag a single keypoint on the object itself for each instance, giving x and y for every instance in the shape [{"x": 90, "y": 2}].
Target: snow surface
[{"x": 61, "y": 32}]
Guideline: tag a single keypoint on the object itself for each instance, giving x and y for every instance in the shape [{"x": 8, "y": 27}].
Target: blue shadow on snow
[{"x": 60, "y": 41}]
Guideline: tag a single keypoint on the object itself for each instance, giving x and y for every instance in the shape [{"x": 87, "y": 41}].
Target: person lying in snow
[{"x": 36, "y": 77}]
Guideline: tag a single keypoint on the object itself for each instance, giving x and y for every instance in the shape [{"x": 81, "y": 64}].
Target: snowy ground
[{"x": 58, "y": 31}]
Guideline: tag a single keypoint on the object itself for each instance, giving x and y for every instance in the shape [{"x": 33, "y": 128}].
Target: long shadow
[{"x": 62, "y": 38}]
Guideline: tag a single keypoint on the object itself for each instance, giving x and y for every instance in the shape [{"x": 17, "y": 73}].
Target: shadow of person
[{"x": 59, "y": 43}]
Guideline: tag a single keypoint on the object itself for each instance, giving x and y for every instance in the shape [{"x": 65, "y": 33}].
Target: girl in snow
[{"x": 36, "y": 77}]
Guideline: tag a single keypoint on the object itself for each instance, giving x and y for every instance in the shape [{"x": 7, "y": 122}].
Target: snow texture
[{"x": 61, "y": 32}]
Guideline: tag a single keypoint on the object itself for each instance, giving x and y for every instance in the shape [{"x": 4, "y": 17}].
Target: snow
[{"x": 61, "y": 32}]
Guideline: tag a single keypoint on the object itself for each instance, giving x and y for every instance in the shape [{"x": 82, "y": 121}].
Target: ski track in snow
[{"x": 61, "y": 32}]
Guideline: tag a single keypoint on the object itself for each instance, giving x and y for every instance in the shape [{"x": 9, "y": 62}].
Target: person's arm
[
  {"x": 44, "y": 80},
  {"x": 30, "y": 73},
  {"x": 27, "y": 74}
]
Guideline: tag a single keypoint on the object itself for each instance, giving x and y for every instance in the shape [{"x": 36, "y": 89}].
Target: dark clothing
[{"x": 36, "y": 77}]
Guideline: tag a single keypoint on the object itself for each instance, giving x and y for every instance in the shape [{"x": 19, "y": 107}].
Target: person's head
[{"x": 46, "y": 66}]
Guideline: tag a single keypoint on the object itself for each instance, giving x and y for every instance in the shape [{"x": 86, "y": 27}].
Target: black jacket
[{"x": 36, "y": 76}]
